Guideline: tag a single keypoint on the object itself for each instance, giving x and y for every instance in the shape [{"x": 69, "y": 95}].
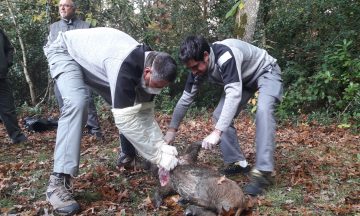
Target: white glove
[
  {"x": 168, "y": 159},
  {"x": 210, "y": 141},
  {"x": 168, "y": 149},
  {"x": 168, "y": 162},
  {"x": 170, "y": 136}
]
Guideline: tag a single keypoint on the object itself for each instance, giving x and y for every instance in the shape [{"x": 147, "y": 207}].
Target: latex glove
[
  {"x": 168, "y": 159},
  {"x": 168, "y": 149},
  {"x": 170, "y": 136},
  {"x": 213, "y": 139}
]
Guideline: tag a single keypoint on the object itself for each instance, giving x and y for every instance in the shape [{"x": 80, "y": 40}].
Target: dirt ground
[{"x": 317, "y": 171}]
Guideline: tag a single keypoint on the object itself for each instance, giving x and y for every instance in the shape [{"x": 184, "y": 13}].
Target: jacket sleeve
[
  {"x": 138, "y": 125},
  {"x": 188, "y": 96},
  {"x": 231, "y": 75}
]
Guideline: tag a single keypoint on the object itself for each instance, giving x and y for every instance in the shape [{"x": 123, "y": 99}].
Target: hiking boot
[
  {"x": 59, "y": 194},
  {"x": 260, "y": 180},
  {"x": 235, "y": 168},
  {"x": 125, "y": 160}
]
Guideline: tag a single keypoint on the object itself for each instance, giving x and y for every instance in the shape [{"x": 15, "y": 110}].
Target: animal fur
[{"x": 206, "y": 189}]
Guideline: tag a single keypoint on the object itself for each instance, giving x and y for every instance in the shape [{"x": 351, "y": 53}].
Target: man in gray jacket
[
  {"x": 127, "y": 75},
  {"x": 68, "y": 22},
  {"x": 7, "y": 107},
  {"x": 241, "y": 69}
]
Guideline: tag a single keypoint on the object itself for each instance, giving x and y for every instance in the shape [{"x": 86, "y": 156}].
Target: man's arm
[
  {"x": 188, "y": 96},
  {"x": 231, "y": 74},
  {"x": 138, "y": 125}
]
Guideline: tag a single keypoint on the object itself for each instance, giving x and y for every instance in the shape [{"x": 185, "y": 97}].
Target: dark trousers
[
  {"x": 7, "y": 110},
  {"x": 126, "y": 147}
]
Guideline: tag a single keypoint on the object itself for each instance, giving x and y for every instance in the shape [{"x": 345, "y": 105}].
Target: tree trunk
[
  {"x": 205, "y": 6},
  {"x": 246, "y": 18},
  {"x": 24, "y": 61}
]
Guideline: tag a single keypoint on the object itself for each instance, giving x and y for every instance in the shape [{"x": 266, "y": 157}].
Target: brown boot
[{"x": 60, "y": 196}]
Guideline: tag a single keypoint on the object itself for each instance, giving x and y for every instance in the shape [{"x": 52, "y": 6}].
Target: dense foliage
[{"x": 317, "y": 44}]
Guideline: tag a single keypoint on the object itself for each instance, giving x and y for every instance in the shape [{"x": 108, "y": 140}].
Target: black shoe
[
  {"x": 98, "y": 135},
  {"x": 125, "y": 160},
  {"x": 260, "y": 180},
  {"x": 234, "y": 169},
  {"x": 19, "y": 139}
]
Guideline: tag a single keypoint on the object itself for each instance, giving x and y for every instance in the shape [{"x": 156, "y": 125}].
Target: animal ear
[{"x": 192, "y": 152}]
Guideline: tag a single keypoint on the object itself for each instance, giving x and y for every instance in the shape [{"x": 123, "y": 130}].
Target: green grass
[{"x": 6, "y": 202}]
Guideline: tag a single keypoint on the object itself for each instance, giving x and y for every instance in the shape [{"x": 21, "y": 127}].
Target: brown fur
[{"x": 202, "y": 186}]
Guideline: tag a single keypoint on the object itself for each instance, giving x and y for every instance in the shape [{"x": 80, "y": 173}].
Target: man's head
[
  {"x": 67, "y": 9},
  {"x": 159, "y": 71},
  {"x": 194, "y": 53}
]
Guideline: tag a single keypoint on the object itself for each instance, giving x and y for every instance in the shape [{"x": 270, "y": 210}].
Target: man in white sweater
[{"x": 128, "y": 75}]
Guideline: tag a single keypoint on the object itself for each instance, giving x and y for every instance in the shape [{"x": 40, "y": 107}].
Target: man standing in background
[
  {"x": 68, "y": 22},
  {"x": 7, "y": 107}
]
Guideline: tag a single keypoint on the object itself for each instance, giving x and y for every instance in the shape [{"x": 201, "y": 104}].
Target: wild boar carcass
[{"x": 201, "y": 186}]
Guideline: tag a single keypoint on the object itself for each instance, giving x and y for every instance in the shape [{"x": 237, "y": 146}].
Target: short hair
[
  {"x": 74, "y": 4},
  {"x": 193, "y": 47},
  {"x": 164, "y": 67}
]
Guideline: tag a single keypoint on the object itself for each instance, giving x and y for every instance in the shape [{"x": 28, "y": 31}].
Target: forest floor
[{"x": 317, "y": 171}]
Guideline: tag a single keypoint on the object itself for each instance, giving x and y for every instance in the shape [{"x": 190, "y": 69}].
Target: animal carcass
[{"x": 206, "y": 189}]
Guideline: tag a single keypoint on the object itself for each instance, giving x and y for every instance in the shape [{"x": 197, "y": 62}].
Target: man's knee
[
  {"x": 79, "y": 103},
  {"x": 266, "y": 105}
]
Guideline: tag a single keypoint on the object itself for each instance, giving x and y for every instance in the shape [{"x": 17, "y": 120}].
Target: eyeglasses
[{"x": 65, "y": 5}]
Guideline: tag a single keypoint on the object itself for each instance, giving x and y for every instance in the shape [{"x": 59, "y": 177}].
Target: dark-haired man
[
  {"x": 241, "y": 69},
  {"x": 7, "y": 107},
  {"x": 128, "y": 75}
]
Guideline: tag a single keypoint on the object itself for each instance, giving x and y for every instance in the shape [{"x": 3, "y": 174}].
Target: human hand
[
  {"x": 168, "y": 149},
  {"x": 168, "y": 157},
  {"x": 213, "y": 139},
  {"x": 168, "y": 162},
  {"x": 170, "y": 136}
]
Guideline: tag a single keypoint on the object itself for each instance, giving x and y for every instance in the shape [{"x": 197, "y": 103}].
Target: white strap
[{"x": 224, "y": 58}]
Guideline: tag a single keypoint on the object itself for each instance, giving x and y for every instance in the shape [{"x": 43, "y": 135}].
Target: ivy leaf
[
  {"x": 241, "y": 5},
  {"x": 344, "y": 126},
  {"x": 233, "y": 10}
]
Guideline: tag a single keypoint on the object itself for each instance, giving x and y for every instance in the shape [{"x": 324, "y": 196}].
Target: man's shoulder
[
  {"x": 81, "y": 23},
  {"x": 220, "y": 48},
  {"x": 55, "y": 24}
]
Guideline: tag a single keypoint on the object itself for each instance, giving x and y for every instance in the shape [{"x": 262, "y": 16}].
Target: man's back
[
  {"x": 63, "y": 26},
  {"x": 97, "y": 49}
]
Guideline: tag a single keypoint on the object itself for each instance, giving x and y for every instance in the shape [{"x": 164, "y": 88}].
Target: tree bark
[
  {"x": 24, "y": 60},
  {"x": 205, "y": 6},
  {"x": 246, "y": 18}
]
